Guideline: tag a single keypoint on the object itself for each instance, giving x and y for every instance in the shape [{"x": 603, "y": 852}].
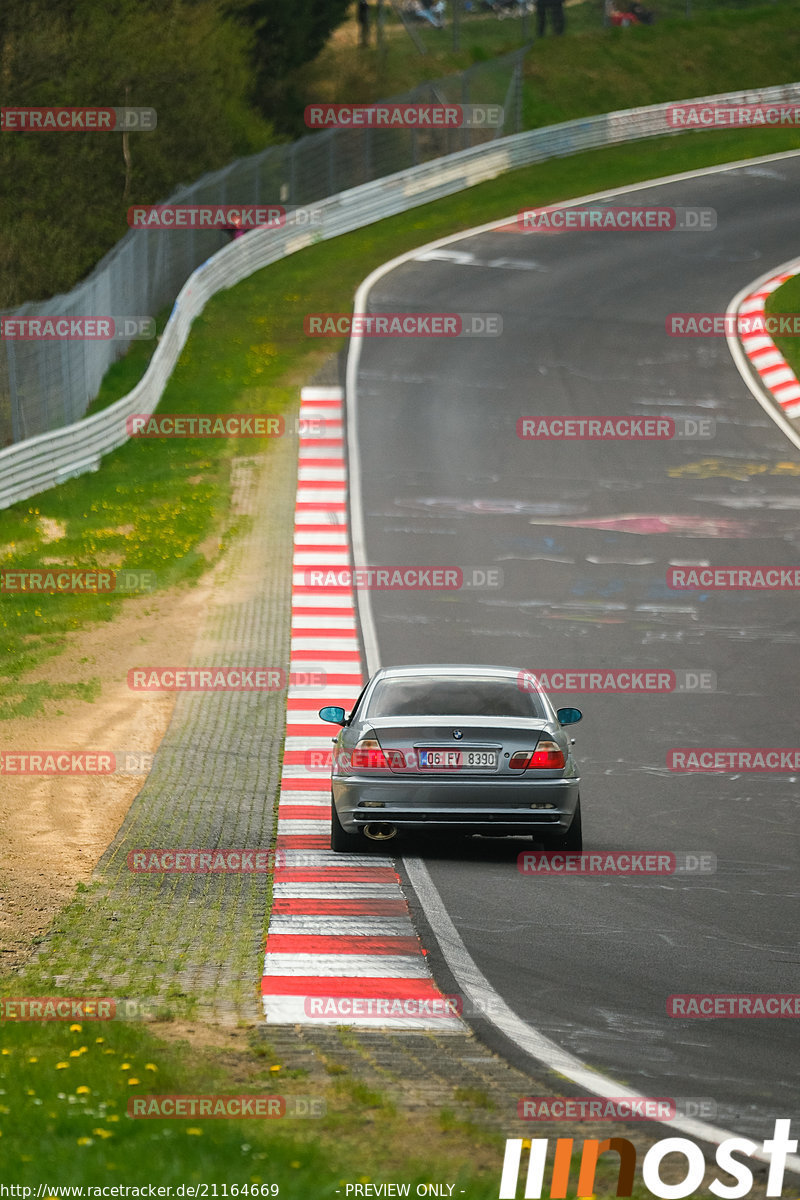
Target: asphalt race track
[{"x": 584, "y": 532}]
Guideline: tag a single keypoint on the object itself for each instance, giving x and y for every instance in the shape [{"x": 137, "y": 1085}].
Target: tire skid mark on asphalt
[{"x": 340, "y": 925}]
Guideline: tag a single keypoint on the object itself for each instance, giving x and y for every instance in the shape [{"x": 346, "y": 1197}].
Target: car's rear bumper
[{"x": 509, "y": 806}]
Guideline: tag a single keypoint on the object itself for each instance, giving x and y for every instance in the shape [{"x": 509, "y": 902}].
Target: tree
[
  {"x": 63, "y": 198},
  {"x": 288, "y": 33}
]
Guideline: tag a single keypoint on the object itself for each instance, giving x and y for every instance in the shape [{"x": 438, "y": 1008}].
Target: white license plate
[{"x": 455, "y": 760}]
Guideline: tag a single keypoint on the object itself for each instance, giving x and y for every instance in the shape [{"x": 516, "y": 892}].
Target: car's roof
[{"x": 448, "y": 671}]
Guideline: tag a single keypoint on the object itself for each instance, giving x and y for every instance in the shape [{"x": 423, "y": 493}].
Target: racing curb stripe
[
  {"x": 337, "y": 943},
  {"x": 772, "y": 368},
  {"x": 343, "y": 918}
]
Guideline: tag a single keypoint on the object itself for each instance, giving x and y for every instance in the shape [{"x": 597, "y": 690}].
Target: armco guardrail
[{"x": 42, "y": 462}]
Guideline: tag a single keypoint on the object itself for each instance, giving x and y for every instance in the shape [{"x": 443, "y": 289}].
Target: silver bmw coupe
[{"x": 467, "y": 749}]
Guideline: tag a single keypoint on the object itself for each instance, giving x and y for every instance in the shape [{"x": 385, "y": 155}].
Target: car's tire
[
  {"x": 342, "y": 841},
  {"x": 573, "y": 838}
]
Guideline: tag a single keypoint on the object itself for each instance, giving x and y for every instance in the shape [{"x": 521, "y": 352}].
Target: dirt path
[{"x": 53, "y": 830}]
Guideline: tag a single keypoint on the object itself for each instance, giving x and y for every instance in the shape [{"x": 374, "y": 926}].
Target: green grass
[
  {"x": 590, "y": 70},
  {"x": 65, "y": 1092},
  {"x": 63, "y": 1114},
  {"x": 157, "y": 505},
  {"x": 64, "y": 1096},
  {"x": 787, "y": 300},
  {"x": 676, "y": 59}
]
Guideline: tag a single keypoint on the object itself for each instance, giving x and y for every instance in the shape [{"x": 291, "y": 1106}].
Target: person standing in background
[
  {"x": 363, "y": 21},
  {"x": 556, "y": 10}
]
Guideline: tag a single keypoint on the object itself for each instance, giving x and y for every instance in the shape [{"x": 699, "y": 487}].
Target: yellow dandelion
[
  {"x": 97, "y": 1041},
  {"x": 61, "y": 1066},
  {"x": 85, "y": 1141},
  {"x": 132, "y": 1081},
  {"x": 150, "y": 1067},
  {"x": 74, "y": 1053},
  {"x": 30, "y": 1092},
  {"x": 113, "y": 1117},
  {"x": 275, "y": 1068},
  {"x": 33, "y": 1060},
  {"x": 103, "y": 1133},
  {"x": 83, "y": 1090},
  {"x": 194, "y": 1131},
  {"x": 124, "y": 1066},
  {"x": 75, "y": 1028},
  {"x": 5, "y": 1051},
  {"x": 109, "y": 1052}
]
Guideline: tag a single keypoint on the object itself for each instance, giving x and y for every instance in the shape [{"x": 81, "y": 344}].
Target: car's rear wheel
[
  {"x": 342, "y": 841},
  {"x": 573, "y": 838}
]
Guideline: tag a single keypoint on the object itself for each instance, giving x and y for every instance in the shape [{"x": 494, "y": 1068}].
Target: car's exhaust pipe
[{"x": 380, "y": 831}]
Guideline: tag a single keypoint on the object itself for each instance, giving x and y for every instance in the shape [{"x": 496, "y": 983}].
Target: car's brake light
[
  {"x": 547, "y": 756},
  {"x": 369, "y": 756}
]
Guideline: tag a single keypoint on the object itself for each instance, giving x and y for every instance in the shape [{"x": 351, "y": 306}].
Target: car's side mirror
[
  {"x": 334, "y": 714},
  {"x": 569, "y": 716}
]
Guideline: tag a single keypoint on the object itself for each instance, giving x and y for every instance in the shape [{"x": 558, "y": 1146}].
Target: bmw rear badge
[{"x": 457, "y": 734}]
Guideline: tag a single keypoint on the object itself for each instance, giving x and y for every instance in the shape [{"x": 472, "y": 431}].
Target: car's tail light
[
  {"x": 369, "y": 756},
  {"x": 547, "y": 756}
]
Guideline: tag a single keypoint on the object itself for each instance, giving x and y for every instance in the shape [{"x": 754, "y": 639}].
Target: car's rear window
[{"x": 465, "y": 697}]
